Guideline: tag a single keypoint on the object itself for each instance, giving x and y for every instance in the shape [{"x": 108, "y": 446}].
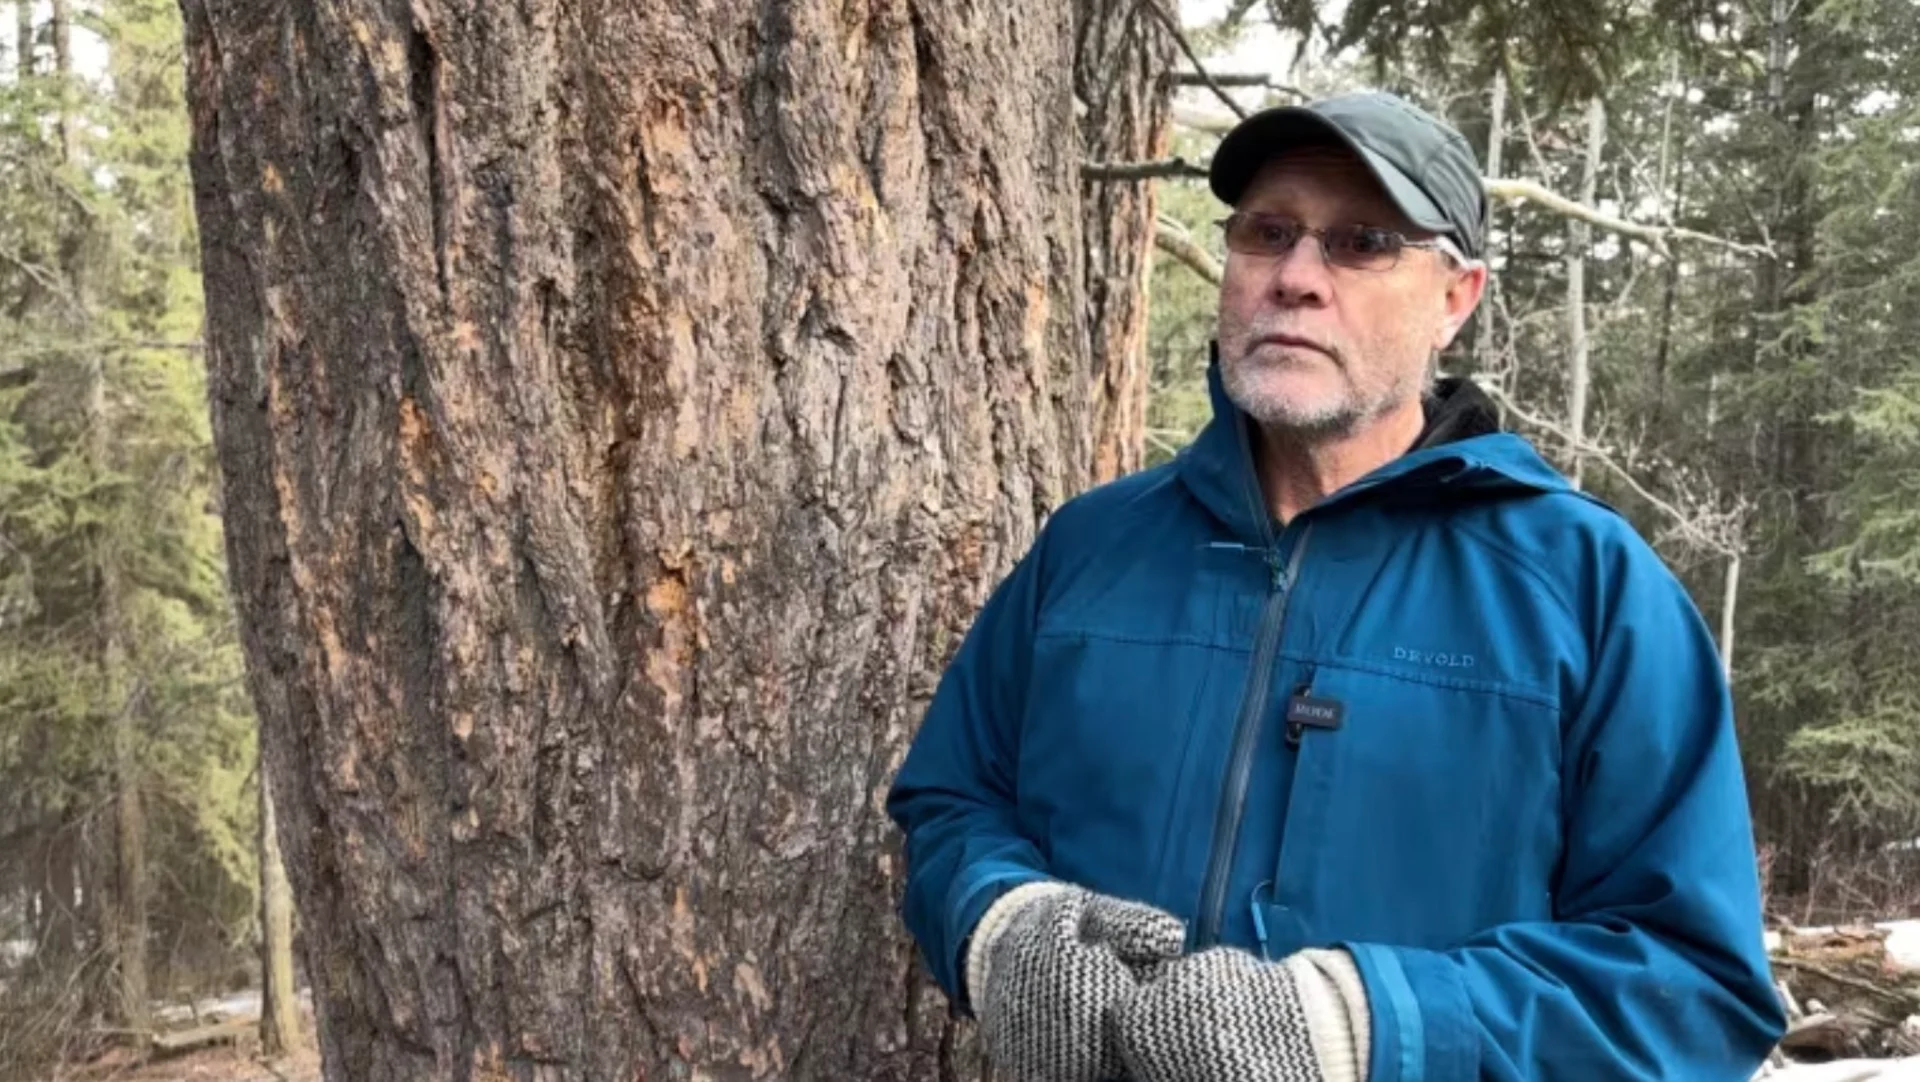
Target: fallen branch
[
  {"x": 1172, "y": 26},
  {"x": 1171, "y": 167},
  {"x": 1824, "y": 1032},
  {"x": 1656, "y": 236},
  {"x": 1901, "y": 1000},
  {"x": 1174, "y": 241}
]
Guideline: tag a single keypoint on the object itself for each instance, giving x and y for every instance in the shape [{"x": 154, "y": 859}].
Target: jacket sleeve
[
  {"x": 954, "y": 796},
  {"x": 1654, "y": 965}
]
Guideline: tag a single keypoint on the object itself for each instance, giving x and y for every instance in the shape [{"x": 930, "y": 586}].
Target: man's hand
[
  {"x": 1225, "y": 1016},
  {"x": 1046, "y": 964}
]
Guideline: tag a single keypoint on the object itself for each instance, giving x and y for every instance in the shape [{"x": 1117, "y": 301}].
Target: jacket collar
[{"x": 1461, "y": 451}]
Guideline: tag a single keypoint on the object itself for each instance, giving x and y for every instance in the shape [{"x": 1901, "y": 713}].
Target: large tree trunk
[
  {"x": 279, "y": 1012},
  {"x": 622, "y": 409},
  {"x": 1121, "y": 59}
]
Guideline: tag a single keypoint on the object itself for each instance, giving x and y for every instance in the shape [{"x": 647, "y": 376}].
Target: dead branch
[
  {"x": 1507, "y": 189},
  {"x": 1823, "y": 1032},
  {"x": 1901, "y": 1000},
  {"x": 1237, "y": 78},
  {"x": 1513, "y": 190},
  {"x": 1172, "y": 25},
  {"x": 1202, "y": 121},
  {"x": 1171, "y": 167},
  {"x": 1174, "y": 241}
]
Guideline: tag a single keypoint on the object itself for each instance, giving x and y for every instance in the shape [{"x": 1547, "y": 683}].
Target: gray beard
[{"x": 1350, "y": 416}]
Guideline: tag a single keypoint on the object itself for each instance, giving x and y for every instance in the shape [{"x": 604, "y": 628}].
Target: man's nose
[{"x": 1301, "y": 276}]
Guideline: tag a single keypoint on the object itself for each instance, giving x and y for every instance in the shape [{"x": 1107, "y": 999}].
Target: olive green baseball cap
[{"x": 1423, "y": 163}]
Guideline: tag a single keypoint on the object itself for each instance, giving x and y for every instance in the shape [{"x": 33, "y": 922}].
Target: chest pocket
[{"x": 1431, "y": 813}]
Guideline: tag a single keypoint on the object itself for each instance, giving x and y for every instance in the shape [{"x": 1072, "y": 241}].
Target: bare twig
[
  {"x": 1174, "y": 241},
  {"x": 1898, "y": 999},
  {"x": 1172, "y": 25},
  {"x": 1170, "y": 167}
]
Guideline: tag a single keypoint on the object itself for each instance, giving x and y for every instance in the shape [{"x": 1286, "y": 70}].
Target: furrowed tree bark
[
  {"x": 1127, "y": 116},
  {"x": 622, "y": 409},
  {"x": 279, "y": 1011}
]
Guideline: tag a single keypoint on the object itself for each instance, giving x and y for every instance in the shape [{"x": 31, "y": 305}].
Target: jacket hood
[{"x": 1460, "y": 451}]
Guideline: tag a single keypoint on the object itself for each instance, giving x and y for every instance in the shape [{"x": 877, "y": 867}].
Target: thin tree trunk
[
  {"x": 1671, "y": 167},
  {"x": 61, "y": 26},
  {"x": 1485, "y": 334},
  {"x": 1579, "y": 376},
  {"x": 126, "y": 914},
  {"x": 59, "y": 939},
  {"x": 279, "y": 1012},
  {"x": 1729, "y": 597},
  {"x": 23, "y": 39},
  {"x": 1119, "y": 60},
  {"x": 622, "y": 409}
]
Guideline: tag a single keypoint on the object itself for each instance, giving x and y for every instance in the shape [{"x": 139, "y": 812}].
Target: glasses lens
[
  {"x": 1261, "y": 234},
  {"x": 1364, "y": 247}
]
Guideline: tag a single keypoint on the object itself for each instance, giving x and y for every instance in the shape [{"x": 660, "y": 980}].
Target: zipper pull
[
  {"x": 1259, "y": 921},
  {"x": 1278, "y": 566}
]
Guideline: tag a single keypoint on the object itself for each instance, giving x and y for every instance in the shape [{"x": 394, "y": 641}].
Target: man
[{"x": 1354, "y": 744}]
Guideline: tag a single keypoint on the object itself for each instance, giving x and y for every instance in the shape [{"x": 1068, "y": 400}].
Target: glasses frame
[{"x": 1441, "y": 244}]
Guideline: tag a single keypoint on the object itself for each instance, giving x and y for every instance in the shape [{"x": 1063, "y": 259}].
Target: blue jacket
[{"x": 1457, "y": 718}]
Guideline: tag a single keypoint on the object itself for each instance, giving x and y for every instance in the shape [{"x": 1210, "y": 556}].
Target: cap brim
[{"x": 1258, "y": 139}]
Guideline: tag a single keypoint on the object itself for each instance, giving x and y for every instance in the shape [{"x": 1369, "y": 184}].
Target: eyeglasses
[{"x": 1358, "y": 247}]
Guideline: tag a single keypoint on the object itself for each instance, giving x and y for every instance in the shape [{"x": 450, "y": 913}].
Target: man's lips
[{"x": 1292, "y": 342}]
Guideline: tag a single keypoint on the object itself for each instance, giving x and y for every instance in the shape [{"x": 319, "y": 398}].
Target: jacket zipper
[{"x": 1233, "y": 797}]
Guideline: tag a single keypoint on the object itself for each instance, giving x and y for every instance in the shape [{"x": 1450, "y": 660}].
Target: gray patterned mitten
[
  {"x": 1225, "y": 1016},
  {"x": 1045, "y": 965}
]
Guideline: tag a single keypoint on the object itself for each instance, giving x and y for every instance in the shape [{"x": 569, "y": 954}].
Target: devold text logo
[{"x": 1437, "y": 658}]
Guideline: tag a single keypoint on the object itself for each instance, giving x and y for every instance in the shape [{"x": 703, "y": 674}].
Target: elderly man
[{"x": 1354, "y": 744}]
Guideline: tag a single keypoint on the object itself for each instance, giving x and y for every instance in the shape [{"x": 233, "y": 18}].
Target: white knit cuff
[
  {"x": 1335, "y": 1000},
  {"x": 992, "y": 923}
]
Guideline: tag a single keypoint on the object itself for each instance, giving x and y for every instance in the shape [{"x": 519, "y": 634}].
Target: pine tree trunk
[
  {"x": 279, "y": 1012},
  {"x": 1120, "y": 62},
  {"x": 622, "y": 409}
]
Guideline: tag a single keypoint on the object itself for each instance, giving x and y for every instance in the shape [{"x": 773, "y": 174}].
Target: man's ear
[{"x": 1465, "y": 287}]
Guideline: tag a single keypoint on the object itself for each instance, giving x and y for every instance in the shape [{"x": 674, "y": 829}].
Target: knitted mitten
[
  {"x": 1046, "y": 963},
  {"x": 1225, "y": 1016}
]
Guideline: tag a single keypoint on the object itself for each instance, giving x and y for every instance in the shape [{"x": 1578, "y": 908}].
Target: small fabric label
[{"x": 1318, "y": 713}]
